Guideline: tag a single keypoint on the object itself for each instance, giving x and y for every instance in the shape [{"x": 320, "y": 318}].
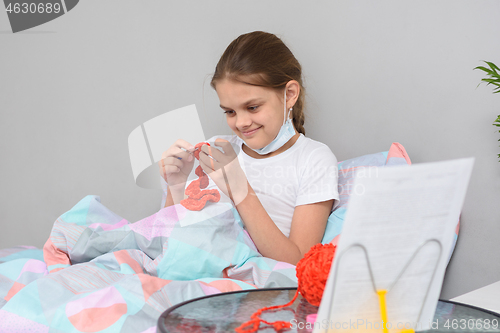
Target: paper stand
[{"x": 382, "y": 292}]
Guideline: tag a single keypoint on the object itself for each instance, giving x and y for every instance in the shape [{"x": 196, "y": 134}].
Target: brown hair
[{"x": 264, "y": 59}]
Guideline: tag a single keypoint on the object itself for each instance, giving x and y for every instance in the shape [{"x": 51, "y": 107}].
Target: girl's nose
[{"x": 243, "y": 120}]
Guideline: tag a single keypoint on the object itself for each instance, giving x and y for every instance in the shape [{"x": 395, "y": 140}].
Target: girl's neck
[{"x": 287, "y": 145}]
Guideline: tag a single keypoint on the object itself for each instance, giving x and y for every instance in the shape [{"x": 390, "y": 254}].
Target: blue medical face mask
[{"x": 284, "y": 135}]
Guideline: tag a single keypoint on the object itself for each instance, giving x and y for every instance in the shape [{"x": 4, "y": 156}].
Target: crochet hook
[{"x": 180, "y": 158}]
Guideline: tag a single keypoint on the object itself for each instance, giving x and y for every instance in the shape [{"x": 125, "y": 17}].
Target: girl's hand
[
  {"x": 225, "y": 170},
  {"x": 176, "y": 171}
]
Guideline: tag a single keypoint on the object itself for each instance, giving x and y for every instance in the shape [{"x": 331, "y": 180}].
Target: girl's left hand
[{"x": 225, "y": 170}]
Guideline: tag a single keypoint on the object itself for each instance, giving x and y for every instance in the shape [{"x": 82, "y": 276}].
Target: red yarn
[
  {"x": 197, "y": 198},
  {"x": 253, "y": 324},
  {"x": 312, "y": 272}
]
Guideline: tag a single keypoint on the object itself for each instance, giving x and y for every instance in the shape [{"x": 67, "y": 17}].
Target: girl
[{"x": 282, "y": 183}]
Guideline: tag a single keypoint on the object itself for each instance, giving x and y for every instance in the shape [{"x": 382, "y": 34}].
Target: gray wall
[{"x": 73, "y": 89}]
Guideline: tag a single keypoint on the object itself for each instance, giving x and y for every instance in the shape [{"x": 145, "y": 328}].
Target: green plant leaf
[
  {"x": 494, "y": 76},
  {"x": 484, "y": 69},
  {"x": 491, "y": 80},
  {"x": 493, "y": 83},
  {"x": 493, "y": 66}
]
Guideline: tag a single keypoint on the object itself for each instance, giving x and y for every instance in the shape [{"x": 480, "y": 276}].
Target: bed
[{"x": 98, "y": 272}]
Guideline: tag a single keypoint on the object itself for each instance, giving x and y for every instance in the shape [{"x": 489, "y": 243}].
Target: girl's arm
[
  {"x": 175, "y": 166},
  {"x": 175, "y": 194},
  {"x": 308, "y": 221},
  {"x": 307, "y": 229}
]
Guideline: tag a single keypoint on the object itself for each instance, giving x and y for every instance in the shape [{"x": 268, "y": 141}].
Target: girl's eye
[
  {"x": 229, "y": 112},
  {"x": 253, "y": 108}
]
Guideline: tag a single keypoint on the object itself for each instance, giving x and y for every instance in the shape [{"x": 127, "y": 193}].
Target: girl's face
[{"x": 254, "y": 113}]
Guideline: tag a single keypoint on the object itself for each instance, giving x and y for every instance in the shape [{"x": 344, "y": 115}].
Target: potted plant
[{"x": 493, "y": 78}]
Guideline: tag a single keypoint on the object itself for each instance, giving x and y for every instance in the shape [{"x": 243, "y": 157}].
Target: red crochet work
[{"x": 197, "y": 198}]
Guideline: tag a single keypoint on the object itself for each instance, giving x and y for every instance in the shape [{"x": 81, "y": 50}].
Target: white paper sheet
[{"x": 391, "y": 214}]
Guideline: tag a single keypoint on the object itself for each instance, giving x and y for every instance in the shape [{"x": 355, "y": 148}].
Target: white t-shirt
[{"x": 305, "y": 173}]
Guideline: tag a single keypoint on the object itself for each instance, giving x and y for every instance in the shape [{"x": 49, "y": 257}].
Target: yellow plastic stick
[
  {"x": 383, "y": 312},
  {"x": 383, "y": 309}
]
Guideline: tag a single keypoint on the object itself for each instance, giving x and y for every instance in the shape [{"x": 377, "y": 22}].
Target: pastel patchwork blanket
[{"x": 99, "y": 273}]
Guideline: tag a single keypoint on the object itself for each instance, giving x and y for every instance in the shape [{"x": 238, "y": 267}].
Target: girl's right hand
[{"x": 176, "y": 171}]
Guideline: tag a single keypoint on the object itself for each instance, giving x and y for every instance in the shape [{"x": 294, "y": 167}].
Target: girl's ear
[{"x": 292, "y": 93}]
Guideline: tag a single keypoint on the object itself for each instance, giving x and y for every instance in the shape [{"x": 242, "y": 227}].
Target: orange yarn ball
[
  {"x": 313, "y": 270},
  {"x": 312, "y": 273}
]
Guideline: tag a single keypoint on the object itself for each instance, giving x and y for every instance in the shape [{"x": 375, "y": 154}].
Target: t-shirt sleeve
[{"x": 319, "y": 180}]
